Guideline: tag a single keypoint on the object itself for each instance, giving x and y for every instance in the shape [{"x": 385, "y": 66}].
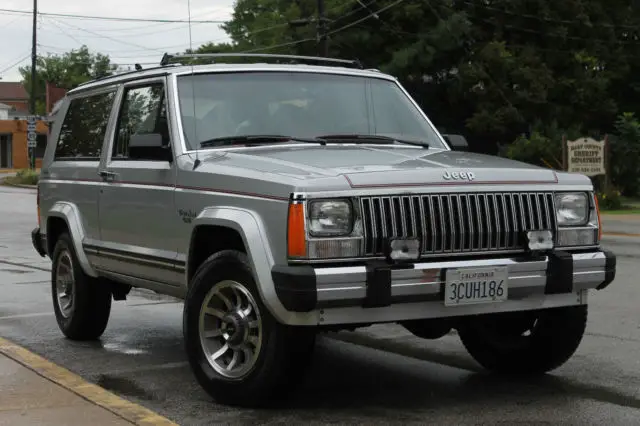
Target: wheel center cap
[{"x": 235, "y": 328}]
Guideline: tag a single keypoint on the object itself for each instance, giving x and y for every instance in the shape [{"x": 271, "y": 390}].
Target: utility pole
[
  {"x": 32, "y": 95},
  {"x": 323, "y": 47},
  {"x": 321, "y": 28}
]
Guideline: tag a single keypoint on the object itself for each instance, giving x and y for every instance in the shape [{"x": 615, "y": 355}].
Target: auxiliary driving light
[
  {"x": 404, "y": 249},
  {"x": 539, "y": 240}
]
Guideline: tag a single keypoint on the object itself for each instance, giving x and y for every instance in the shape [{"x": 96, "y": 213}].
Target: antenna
[{"x": 196, "y": 163}]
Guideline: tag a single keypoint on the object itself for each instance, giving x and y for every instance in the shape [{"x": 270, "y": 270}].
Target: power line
[
  {"x": 61, "y": 51},
  {"x": 113, "y": 18},
  {"x": 549, "y": 20},
  {"x": 361, "y": 6},
  {"x": 108, "y": 37},
  {"x": 552, "y": 35},
  {"x": 275, "y": 46},
  {"x": 27, "y": 56},
  {"x": 489, "y": 76},
  {"x": 63, "y": 31},
  {"x": 131, "y": 34},
  {"x": 293, "y": 43},
  {"x": 371, "y": 15}
]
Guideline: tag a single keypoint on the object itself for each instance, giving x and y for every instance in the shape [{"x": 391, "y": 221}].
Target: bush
[
  {"x": 609, "y": 200},
  {"x": 25, "y": 177},
  {"x": 625, "y": 155},
  {"x": 538, "y": 150}
]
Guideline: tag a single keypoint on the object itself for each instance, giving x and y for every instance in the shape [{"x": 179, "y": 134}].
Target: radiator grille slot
[{"x": 456, "y": 223}]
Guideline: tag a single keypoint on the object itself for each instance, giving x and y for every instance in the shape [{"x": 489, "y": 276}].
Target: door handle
[{"x": 107, "y": 175}]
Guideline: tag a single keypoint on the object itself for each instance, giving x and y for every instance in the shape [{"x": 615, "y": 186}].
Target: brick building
[
  {"x": 14, "y": 151},
  {"x": 14, "y": 94}
]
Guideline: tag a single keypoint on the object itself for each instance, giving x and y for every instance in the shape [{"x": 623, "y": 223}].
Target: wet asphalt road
[{"x": 405, "y": 381}]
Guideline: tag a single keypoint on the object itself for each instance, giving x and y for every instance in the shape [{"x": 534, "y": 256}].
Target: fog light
[
  {"x": 539, "y": 240},
  {"x": 404, "y": 249},
  {"x": 577, "y": 237}
]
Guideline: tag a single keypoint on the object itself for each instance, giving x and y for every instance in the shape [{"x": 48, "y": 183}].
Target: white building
[{"x": 4, "y": 111}]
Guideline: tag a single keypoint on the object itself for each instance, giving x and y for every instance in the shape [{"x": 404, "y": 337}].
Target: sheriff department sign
[{"x": 586, "y": 156}]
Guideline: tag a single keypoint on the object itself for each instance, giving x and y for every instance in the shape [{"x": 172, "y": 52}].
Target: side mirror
[
  {"x": 149, "y": 146},
  {"x": 457, "y": 142}
]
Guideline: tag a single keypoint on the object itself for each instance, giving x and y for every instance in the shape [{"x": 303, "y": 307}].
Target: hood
[{"x": 370, "y": 166}]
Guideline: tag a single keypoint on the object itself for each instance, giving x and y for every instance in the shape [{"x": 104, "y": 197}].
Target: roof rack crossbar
[{"x": 167, "y": 58}]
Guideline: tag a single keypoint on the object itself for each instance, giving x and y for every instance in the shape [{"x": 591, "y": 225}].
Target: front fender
[
  {"x": 251, "y": 228},
  {"x": 70, "y": 214}
]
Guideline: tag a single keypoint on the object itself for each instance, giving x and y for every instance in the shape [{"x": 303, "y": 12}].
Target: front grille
[{"x": 456, "y": 223}]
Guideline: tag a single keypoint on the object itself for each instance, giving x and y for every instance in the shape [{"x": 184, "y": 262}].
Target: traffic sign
[
  {"x": 31, "y": 127},
  {"x": 32, "y": 140}
]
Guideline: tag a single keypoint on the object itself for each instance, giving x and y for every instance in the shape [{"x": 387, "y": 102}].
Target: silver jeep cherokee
[{"x": 284, "y": 199}]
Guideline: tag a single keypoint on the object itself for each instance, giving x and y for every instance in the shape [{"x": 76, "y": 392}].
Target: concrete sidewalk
[
  {"x": 30, "y": 399},
  {"x": 35, "y": 391}
]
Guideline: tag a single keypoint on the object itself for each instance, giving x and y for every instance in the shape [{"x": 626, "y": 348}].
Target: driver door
[{"x": 137, "y": 199}]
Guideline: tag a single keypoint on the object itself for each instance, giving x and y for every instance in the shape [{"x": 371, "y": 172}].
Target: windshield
[{"x": 298, "y": 104}]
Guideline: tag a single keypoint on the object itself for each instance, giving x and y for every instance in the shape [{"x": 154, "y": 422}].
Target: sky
[{"x": 126, "y": 43}]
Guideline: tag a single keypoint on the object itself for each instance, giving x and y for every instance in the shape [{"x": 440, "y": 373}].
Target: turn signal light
[{"x": 296, "y": 240}]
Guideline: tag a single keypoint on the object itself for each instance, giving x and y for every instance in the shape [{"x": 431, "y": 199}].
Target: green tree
[
  {"x": 489, "y": 69},
  {"x": 66, "y": 71},
  {"x": 625, "y": 154}
]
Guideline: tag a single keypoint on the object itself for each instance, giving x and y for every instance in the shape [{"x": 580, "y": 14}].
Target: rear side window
[{"x": 84, "y": 128}]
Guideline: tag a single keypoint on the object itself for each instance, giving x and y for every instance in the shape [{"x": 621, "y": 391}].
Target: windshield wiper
[
  {"x": 257, "y": 139},
  {"x": 364, "y": 138}
]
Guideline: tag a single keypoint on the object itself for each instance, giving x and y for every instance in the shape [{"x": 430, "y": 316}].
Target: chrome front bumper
[{"x": 383, "y": 292}]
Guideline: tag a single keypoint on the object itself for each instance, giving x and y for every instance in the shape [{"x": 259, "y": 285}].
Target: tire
[
  {"x": 84, "y": 315},
  {"x": 496, "y": 341},
  {"x": 279, "y": 354}
]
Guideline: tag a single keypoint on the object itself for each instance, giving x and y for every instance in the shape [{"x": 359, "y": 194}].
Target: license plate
[{"x": 467, "y": 286}]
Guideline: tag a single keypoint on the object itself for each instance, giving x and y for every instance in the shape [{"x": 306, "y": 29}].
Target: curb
[
  {"x": 17, "y": 185},
  {"x": 127, "y": 410}
]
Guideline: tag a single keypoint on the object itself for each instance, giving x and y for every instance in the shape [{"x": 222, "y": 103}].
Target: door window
[{"x": 143, "y": 111}]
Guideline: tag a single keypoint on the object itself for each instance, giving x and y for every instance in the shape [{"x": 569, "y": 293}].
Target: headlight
[
  {"x": 572, "y": 209},
  {"x": 330, "y": 218}
]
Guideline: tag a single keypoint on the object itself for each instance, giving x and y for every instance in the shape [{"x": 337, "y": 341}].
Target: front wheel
[
  {"x": 238, "y": 352},
  {"x": 532, "y": 342}
]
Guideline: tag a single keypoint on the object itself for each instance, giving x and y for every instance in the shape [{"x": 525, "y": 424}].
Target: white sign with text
[{"x": 586, "y": 156}]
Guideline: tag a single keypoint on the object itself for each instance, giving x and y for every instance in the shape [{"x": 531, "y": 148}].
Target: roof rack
[
  {"x": 167, "y": 58},
  {"x": 118, "y": 74}
]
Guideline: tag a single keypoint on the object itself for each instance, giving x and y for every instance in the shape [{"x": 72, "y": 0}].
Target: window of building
[
  {"x": 84, "y": 127},
  {"x": 6, "y": 161},
  {"x": 41, "y": 145},
  {"x": 143, "y": 112}
]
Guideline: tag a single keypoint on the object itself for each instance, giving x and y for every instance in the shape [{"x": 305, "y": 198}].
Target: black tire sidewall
[
  {"x": 554, "y": 342},
  {"x": 91, "y": 303},
  {"x": 274, "y": 354},
  {"x": 64, "y": 244}
]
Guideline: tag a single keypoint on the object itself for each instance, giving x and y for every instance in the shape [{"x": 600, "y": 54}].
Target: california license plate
[{"x": 467, "y": 286}]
